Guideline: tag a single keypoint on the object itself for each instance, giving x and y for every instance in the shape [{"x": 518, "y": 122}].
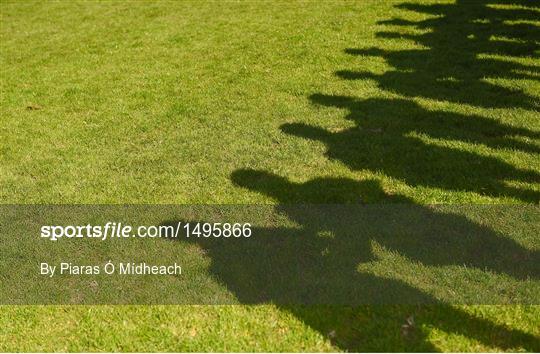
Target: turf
[{"x": 246, "y": 102}]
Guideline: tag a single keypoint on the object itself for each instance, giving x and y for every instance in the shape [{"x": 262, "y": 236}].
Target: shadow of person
[
  {"x": 417, "y": 232},
  {"x": 467, "y": 46},
  {"x": 388, "y": 137},
  {"x": 311, "y": 269}
]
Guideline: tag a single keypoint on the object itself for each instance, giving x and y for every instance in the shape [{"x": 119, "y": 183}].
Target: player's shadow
[
  {"x": 465, "y": 47},
  {"x": 414, "y": 231},
  {"x": 392, "y": 136},
  {"x": 316, "y": 261}
]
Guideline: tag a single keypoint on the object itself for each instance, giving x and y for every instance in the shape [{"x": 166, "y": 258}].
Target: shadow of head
[
  {"x": 465, "y": 47},
  {"x": 418, "y": 232},
  {"x": 317, "y": 190},
  {"x": 394, "y": 137}
]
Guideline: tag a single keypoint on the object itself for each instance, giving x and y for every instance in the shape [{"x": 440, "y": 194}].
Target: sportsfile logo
[
  {"x": 121, "y": 230},
  {"x": 109, "y": 230}
]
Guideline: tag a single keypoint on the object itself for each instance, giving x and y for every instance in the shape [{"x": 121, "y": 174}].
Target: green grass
[{"x": 244, "y": 102}]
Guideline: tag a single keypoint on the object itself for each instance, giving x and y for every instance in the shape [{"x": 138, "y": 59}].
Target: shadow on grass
[
  {"x": 459, "y": 57},
  {"x": 406, "y": 141},
  {"x": 312, "y": 270},
  {"x": 389, "y": 137},
  {"x": 462, "y": 44},
  {"x": 457, "y": 60},
  {"x": 436, "y": 244},
  {"x": 417, "y": 232}
]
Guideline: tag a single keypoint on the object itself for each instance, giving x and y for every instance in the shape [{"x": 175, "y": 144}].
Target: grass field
[{"x": 249, "y": 102}]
